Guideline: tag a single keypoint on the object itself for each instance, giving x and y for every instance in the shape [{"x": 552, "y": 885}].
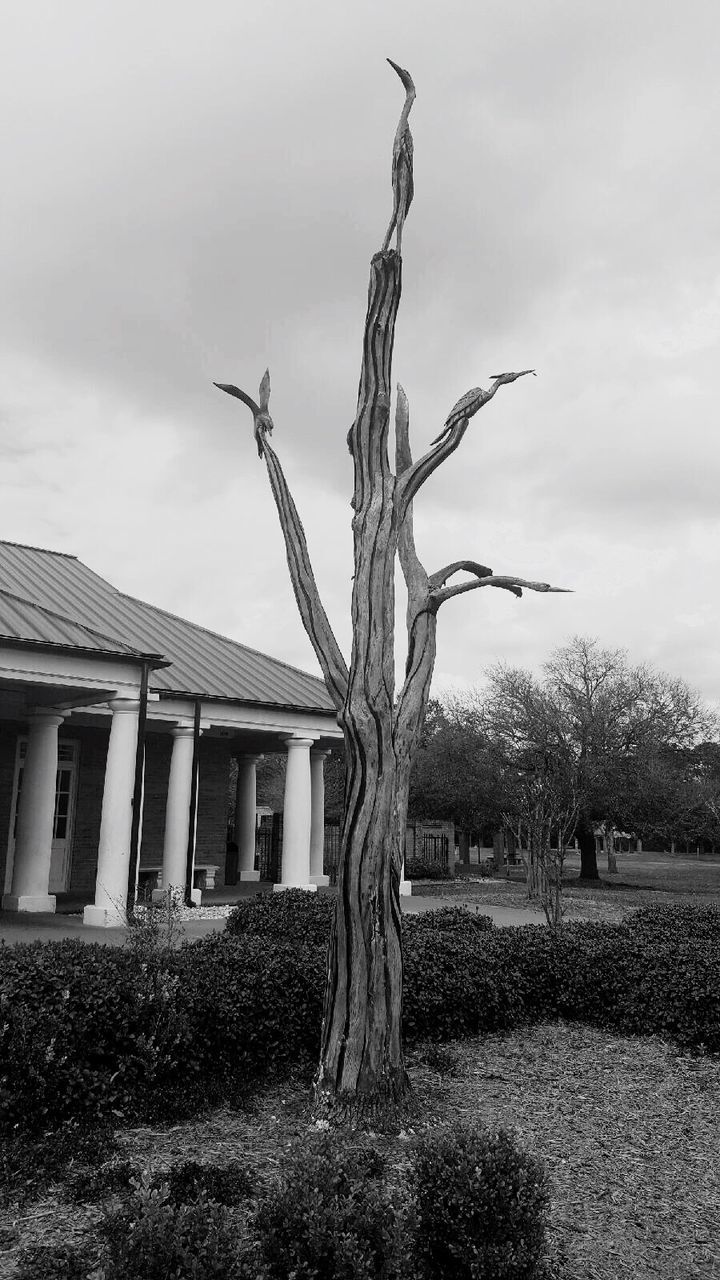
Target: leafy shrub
[
  {"x": 331, "y": 1219},
  {"x": 84, "y": 1030},
  {"x": 448, "y": 920},
  {"x": 189, "y": 1181},
  {"x": 481, "y": 1207},
  {"x": 152, "y": 1238},
  {"x": 253, "y": 1006},
  {"x": 94, "y": 1034},
  {"x": 55, "y": 1262},
  {"x": 287, "y": 915},
  {"x": 416, "y": 870}
]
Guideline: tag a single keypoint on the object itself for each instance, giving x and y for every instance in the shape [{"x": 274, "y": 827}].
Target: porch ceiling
[{"x": 18, "y": 698}]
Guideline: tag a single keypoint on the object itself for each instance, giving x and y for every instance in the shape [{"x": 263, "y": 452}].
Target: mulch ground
[{"x": 627, "y": 1127}]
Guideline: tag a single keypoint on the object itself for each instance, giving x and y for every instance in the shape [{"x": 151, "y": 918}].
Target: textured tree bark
[{"x": 361, "y": 1062}]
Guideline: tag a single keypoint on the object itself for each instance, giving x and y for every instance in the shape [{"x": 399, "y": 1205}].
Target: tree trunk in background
[
  {"x": 588, "y": 850},
  {"x": 610, "y": 850}
]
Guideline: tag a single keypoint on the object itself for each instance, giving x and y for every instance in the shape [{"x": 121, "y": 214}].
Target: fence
[{"x": 422, "y": 846}]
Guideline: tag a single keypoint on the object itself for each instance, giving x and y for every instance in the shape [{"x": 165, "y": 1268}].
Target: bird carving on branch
[
  {"x": 402, "y": 163},
  {"x": 474, "y": 399},
  {"x": 262, "y": 422}
]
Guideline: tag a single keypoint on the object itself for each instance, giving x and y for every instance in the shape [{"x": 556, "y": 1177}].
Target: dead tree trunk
[{"x": 362, "y": 1071}]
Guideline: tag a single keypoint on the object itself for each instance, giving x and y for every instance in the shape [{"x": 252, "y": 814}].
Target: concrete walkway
[{"x": 68, "y": 923}]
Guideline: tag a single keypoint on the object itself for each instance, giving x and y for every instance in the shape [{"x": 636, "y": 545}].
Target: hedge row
[{"x": 88, "y": 1031}]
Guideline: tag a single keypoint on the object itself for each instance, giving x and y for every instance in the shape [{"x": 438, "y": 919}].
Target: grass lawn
[
  {"x": 643, "y": 879},
  {"x": 627, "y": 1127}
]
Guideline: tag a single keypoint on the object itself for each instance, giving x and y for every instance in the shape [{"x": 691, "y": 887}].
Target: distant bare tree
[{"x": 362, "y": 1070}]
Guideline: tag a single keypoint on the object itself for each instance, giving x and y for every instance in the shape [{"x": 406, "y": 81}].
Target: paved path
[{"x": 45, "y": 927}]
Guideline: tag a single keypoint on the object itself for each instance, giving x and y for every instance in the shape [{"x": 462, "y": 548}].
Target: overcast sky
[{"x": 192, "y": 191}]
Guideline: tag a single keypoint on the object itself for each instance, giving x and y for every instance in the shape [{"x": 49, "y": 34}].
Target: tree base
[{"x": 383, "y": 1111}]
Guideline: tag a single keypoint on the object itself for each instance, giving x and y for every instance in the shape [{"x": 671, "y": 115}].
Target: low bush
[
  {"x": 152, "y": 1238},
  {"x": 189, "y": 1182},
  {"x": 455, "y": 920},
  {"x": 97, "y": 1033},
  {"x": 94, "y": 1034},
  {"x": 480, "y": 1207},
  {"x": 287, "y": 915},
  {"x": 332, "y": 1218},
  {"x": 415, "y": 870}
]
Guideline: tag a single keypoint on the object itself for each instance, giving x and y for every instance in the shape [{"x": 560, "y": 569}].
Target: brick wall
[
  {"x": 86, "y": 829},
  {"x": 213, "y": 803},
  {"x": 158, "y": 750}
]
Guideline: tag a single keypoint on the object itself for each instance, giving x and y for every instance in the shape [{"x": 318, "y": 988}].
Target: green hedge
[{"x": 89, "y": 1032}]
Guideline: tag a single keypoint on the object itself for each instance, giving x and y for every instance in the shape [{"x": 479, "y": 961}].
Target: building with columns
[{"x": 118, "y": 723}]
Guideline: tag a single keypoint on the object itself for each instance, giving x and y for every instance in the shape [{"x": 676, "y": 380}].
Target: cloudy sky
[{"x": 192, "y": 191}]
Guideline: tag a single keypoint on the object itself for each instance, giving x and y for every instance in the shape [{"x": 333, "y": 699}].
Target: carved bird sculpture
[
  {"x": 474, "y": 399},
  {"x": 466, "y": 406},
  {"x": 263, "y": 423},
  {"x": 402, "y": 163}
]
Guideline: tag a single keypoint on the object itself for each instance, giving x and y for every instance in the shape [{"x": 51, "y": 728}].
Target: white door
[{"x": 65, "y": 793}]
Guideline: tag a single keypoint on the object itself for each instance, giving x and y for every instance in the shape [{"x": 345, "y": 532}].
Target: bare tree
[{"x": 362, "y": 1070}]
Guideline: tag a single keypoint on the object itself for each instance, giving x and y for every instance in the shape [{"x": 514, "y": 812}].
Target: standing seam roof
[{"x": 201, "y": 661}]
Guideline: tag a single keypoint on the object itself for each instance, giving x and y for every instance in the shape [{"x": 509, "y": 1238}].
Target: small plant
[
  {"x": 332, "y": 1219},
  {"x": 154, "y": 1239},
  {"x": 480, "y": 1206},
  {"x": 156, "y": 925},
  {"x": 189, "y": 1182},
  {"x": 88, "y": 1185}
]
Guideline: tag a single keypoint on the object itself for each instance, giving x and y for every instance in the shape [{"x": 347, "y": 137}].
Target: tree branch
[
  {"x": 456, "y": 425},
  {"x": 421, "y": 616},
  {"x": 505, "y": 583},
  {"x": 310, "y": 606}
]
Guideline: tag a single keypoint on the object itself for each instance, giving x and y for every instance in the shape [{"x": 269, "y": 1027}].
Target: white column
[
  {"x": 297, "y": 817},
  {"x": 639, "y": 847},
  {"x": 317, "y": 817},
  {"x": 36, "y": 811},
  {"x": 111, "y": 885},
  {"x": 245, "y": 816},
  {"x": 405, "y": 885},
  {"x": 177, "y": 811}
]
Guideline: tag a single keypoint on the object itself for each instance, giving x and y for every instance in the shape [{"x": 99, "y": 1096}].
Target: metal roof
[
  {"x": 23, "y": 620},
  {"x": 200, "y": 662}
]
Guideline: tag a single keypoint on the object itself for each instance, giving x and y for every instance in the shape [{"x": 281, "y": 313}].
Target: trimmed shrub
[
  {"x": 287, "y": 915},
  {"x": 455, "y": 920},
  {"x": 94, "y": 1034},
  {"x": 331, "y": 1219},
  {"x": 481, "y": 1206},
  {"x": 415, "y": 870}
]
